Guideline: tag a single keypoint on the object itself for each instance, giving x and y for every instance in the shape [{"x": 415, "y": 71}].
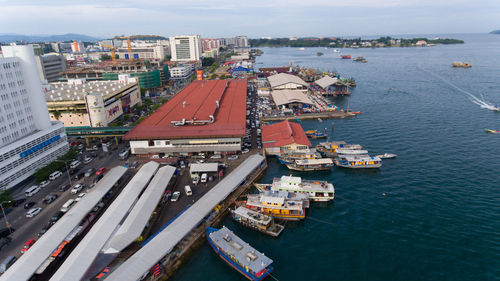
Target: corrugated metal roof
[
  {"x": 282, "y": 134},
  {"x": 326, "y": 81},
  {"x": 135, "y": 222},
  {"x": 81, "y": 258},
  {"x": 282, "y": 97},
  {"x": 284, "y": 78},
  {"x": 28, "y": 263},
  {"x": 225, "y": 100},
  {"x": 204, "y": 167},
  {"x": 162, "y": 244}
]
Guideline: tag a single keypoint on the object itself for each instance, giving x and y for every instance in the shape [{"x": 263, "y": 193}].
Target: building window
[{"x": 151, "y": 143}]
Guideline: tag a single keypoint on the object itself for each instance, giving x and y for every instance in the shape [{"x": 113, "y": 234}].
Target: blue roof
[{"x": 241, "y": 68}]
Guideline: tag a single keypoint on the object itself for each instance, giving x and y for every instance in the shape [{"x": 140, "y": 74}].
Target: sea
[{"x": 432, "y": 213}]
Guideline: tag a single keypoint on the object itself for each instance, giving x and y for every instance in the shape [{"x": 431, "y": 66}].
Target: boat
[
  {"x": 279, "y": 204},
  {"x": 315, "y": 134},
  {"x": 346, "y": 151},
  {"x": 317, "y": 190},
  {"x": 251, "y": 263},
  {"x": 359, "y": 59},
  {"x": 327, "y": 149},
  {"x": 387, "y": 156},
  {"x": 288, "y": 156},
  {"x": 461, "y": 64},
  {"x": 320, "y": 120},
  {"x": 302, "y": 49},
  {"x": 492, "y": 131},
  {"x": 307, "y": 165},
  {"x": 358, "y": 162},
  {"x": 257, "y": 221},
  {"x": 345, "y": 57},
  {"x": 336, "y": 50}
]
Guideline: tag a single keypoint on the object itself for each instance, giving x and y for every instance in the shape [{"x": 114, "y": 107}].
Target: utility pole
[{"x": 5, "y": 216}]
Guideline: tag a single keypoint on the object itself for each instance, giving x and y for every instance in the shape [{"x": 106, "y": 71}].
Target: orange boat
[{"x": 345, "y": 57}]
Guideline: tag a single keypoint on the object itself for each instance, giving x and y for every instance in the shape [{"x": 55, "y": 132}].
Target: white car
[
  {"x": 87, "y": 160},
  {"x": 245, "y": 151},
  {"x": 33, "y": 212},
  {"x": 232, "y": 157},
  {"x": 80, "y": 196},
  {"x": 175, "y": 196},
  {"x": 77, "y": 188},
  {"x": 44, "y": 183}
]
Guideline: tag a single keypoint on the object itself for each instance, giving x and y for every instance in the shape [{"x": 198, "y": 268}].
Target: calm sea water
[{"x": 440, "y": 216}]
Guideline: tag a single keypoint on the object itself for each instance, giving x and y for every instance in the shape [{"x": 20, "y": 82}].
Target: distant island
[
  {"x": 495, "y": 32},
  {"x": 8, "y": 38},
  {"x": 351, "y": 43}
]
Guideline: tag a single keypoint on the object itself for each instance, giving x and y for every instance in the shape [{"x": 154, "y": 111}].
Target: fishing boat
[
  {"x": 327, "y": 149},
  {"x": 461, "y": 64},
  {"x": 307, "y": 165},
  {"x": 251, "y": 263},
  {"x": 317, "y": 190},
  {"x": 315, "y": 134},
  {"x": 345, "y": 57},
  {"x": 387, "y": 156},
  {"x": 346, "y": 151},
  {"x": 257, "y": 221},
  {"x": 279, "y": 204},
  {"x": 492, "y": 131},
  {"x": 288, "y": 156},
  {"x": 359, "y": 59},
  {"x": 359, "y": 162}
]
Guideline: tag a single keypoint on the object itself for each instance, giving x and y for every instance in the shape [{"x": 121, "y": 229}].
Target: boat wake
[{"x": 474, "y": 99}]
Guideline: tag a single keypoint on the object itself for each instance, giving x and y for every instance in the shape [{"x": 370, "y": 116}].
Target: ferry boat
[
  {"x": 307, "y": 165},
  {"x": 387, "y": 156},
  {"x": 251, "y": 263},
  {"x": 279, "y": 204},
  {"x": 288, "y": 156},
  {"x": 315, "y": 134},
  {"x": 346, "y": 151},
  {"x": 359, "y": 162},
  {"x": 257, "y": 221},
  {"x": 345, "y": 57},
  {"x": 327, "y": 149},
  {"x": 318, "y": 191}
]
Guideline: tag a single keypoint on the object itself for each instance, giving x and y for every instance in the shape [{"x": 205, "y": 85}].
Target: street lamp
[
  {"x": 67, "y": 170},
  {"x": 5, "y": 216}
]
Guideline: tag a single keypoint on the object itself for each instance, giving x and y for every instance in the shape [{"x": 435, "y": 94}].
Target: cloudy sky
[{"x": 255, "y": 18}]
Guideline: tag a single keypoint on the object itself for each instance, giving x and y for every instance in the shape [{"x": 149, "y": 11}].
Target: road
[{"x": 27, "y": 228}]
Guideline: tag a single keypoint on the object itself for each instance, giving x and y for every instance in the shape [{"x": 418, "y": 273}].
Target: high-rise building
[
  {"x": 210, "y": 44},
  {"x": 241, "y": 41},
  {"x": 28, "y": 139},
  {"x": 185, "y": 48},
  {"x": 77, "y": 47},
  {"x": 50, "y": 66}
]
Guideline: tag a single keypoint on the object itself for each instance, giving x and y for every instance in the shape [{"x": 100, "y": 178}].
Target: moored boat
[
  {"x": 257, "y": 221},
  {"x": 327, "y": 149},
  {"x": 345, "y": 57},
  {"x": 359, "y": 59},
  {"x": 288, "y": 156},
  {"x": 315, "y": 134},
  {"x": 346, "y": 151},
  {"x": 316, "y": 189},
  {"x": 359, "y": 162},
  {"x": 307, "y": 165},
  {"x": 279, "y": 204},
  {"x": 387, "y": 156},
  {"x": 251, "y": 263}
]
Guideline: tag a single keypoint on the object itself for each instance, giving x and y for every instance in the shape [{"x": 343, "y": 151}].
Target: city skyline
[{"x": 224, "y": 18}]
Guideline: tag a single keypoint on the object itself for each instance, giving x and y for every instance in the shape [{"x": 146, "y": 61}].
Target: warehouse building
[
  {"x": 282, "y": 136},
  {"x": 290, "y": 99},
  {"x": 287, "y": 81},
  {"x": 206, "y": 116}
]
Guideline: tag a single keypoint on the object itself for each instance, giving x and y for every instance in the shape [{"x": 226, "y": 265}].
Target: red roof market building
[
  {"x": 206, "y": 116},
  {"x": 284, "y": 135}
]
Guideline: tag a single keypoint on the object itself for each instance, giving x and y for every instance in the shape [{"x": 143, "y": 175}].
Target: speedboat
[
  {"x": 492, "y": 131},
  {"x": 387, "y": 156}
]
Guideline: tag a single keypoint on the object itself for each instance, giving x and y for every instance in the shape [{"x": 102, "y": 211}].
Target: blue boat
[{"x": 238, "y": 254}]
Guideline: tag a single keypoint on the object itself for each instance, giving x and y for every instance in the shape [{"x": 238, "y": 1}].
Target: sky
[{"x": 254, "y": 18}]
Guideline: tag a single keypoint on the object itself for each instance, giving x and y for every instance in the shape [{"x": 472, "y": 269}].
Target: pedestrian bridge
[{"x": 97, "y": 131}]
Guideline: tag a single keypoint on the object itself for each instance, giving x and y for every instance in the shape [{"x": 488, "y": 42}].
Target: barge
[{"x": 257, "y": 221}]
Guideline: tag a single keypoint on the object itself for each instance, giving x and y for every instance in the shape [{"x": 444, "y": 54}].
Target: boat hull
[
  {"x": 232, "y": 263},
  {"x": 308, "y": 169},
  {"x": 376, "y": 166}
]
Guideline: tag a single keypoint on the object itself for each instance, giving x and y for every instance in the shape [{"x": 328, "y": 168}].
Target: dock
[{"x": 315, "y": 115}]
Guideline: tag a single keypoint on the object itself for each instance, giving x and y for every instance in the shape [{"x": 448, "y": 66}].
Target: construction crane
[
  {"x": 129, "y": 46},
  {"x": 112, "y": 50}
]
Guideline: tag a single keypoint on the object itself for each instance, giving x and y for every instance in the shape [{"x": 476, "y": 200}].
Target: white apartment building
[
  {"x": 241, "y": 41},
  {"x": 185, "y": 48},
  {"x": 181, "y": 72},
  {"x": 28, "y": 139}
]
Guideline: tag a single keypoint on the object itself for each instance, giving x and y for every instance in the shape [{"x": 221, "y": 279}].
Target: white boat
[
  {"x": 387, "y": 156},
  {"x": 336, "y": 50},
  {"x": 302, "y": 49},
  {"x": 359, "y": 162},
  {"x": 316, "y": 189},
  {"x": 307, "y": 165},
  {"x": 346, "y": 151}
]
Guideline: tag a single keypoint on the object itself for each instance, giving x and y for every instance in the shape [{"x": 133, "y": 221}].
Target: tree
[
  {"x": 5, "y": 195},
  {"x": 212, "y": 76},
  {"x": 207, "y": 61}
]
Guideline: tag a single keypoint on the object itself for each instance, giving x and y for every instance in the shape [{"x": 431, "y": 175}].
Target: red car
[
  {"x": 100, "y": 171},
  {"x": 27, "y": 245}
]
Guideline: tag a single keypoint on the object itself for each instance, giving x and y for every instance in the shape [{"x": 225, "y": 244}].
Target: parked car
[
  {"x": 80, "y": 196},
  {"x": 134, "y": 165},
  {"x": 55, "y": 175},
  {"x": 87, "y": 160},
  {"x": 33, "y": 212},
  {"x": 98, "y": 178},
  {"x": 4, "y": 232},
  {"x": 175, "y": 196},
  {"x": 28, "y": 205},
  {"x": 4, "y": 241},
  {"x": 232, "y": 157},
  {"x": 7, "y": 263},
  {"x": 44, "y": 183},
  {"x": 18, "y": 202},
  {"x": 28, "y": 245},
  {"x": 245, "y": 151},
  {"x": 64, "y": 187},
  {"x": 89, "y": 172},
  {"x": 49, "y": 198},
  {"x": 44, "y": 229},
  {"x": 56, "y": 217},
  {"x": 100, "y": 171},
  {"x": 77, "y": 188}
]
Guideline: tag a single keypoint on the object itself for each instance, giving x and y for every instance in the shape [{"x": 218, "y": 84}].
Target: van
[
  {"x": 32, "y": 191},
  {"x": 204, "y": 177},
  {"x": 7, "y": 262},
  {"x": 67, "y": 205},
  {"x": 188, "y": 190},
  {"x": 74, "y": 164},
  {"x": 124, "y": 153},
  {"x": 55, "y": 175}
]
